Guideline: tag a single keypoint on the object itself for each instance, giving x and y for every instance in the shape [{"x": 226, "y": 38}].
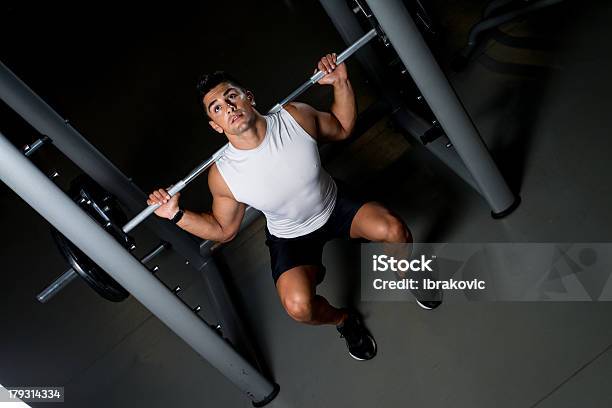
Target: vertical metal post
[
  {"x": 69, "y": 141},
  {"x": 349, "y": 29},
  {"x": 431, "y": 81},
  {"x": 48, "y": 200}
]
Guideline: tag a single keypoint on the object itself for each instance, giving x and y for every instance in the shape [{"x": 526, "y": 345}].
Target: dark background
[{"x": 125, "y": 78}]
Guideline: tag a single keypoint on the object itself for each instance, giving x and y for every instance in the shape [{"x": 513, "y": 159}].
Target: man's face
[{"x": 230, "y": 109}]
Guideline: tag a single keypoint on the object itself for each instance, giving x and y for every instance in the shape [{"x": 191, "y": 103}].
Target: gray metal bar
[
  {"x": 30, "y": 149},
  {"x": 154, "y": 252},
  {"x": 64, "y": 279},
  {"x": 420, "y": 63},
  {"x": 49, "y": 201},
  {"x": 69, "y": 141},
  {"x": 319, "y": 74},
  {"x": 181, "y": 184},
  {"x": 348, "y": 27},
  {"x": 57, "y": 285},
  {"x": 416, "y": 125}
]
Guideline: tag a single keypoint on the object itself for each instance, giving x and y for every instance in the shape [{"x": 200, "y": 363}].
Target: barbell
[{"x": 94, "y": 201}]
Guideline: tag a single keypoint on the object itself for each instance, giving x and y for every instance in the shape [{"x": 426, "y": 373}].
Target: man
[{"x": 272, "y": 163}]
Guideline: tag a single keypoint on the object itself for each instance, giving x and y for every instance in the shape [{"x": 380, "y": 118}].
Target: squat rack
[{"x": 47, "y": 199}]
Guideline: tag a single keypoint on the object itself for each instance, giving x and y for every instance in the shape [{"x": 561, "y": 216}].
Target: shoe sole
[
  {"x": 430, "y": 308},
  {"x": 373, "y": 353},
  {"x": 423, "y": 306},
  {"x": 426, "y": 307}
]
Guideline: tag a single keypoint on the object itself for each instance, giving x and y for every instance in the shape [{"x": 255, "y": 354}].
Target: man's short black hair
[{"x": 208, "y": 81}]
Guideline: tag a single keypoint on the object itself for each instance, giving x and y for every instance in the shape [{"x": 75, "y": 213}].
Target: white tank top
[{"x": 282, "y": 177}]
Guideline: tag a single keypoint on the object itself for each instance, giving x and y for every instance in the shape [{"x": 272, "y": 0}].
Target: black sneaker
[{"x": 360, "y": 343}]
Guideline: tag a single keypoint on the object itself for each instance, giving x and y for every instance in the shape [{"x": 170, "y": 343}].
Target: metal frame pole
[
  {"x": 349, "y": 28},
  {"x": 50, "y": 201},
  {"x": 69, "y": 141},
  {"x": 431, "y": 81}
]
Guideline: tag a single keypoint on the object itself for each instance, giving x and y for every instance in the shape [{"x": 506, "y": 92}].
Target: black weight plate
[
  {"x": 91, "y": 273},
  {"x": 87, "y": 269}
]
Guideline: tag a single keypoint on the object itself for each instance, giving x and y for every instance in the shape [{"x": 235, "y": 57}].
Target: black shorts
[{"x": 287, "y": 253}]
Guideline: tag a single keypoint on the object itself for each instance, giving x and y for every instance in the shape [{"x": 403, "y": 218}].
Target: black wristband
[{"x": 177, "y": 217}]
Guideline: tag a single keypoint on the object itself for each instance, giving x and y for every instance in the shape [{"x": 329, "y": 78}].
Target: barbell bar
[
  {"x": 181, "y": 184},
  {"x": 70, "y": 275}
]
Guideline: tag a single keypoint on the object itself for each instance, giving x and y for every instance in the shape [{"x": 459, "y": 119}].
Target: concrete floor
[{"x": 544, "y": 115}]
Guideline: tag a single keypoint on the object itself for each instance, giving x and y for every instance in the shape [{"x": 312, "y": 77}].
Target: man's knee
[{"x": 298, "y": 307}]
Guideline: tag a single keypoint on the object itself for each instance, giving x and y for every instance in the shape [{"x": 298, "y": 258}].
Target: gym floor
[{"x": 127, "y": 85}]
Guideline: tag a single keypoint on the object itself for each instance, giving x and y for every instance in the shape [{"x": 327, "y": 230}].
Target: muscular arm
[
  {"x": 223, "y": 222},
  {"x": 343, "y": 110},
  {"x": 338, "y": 123}
]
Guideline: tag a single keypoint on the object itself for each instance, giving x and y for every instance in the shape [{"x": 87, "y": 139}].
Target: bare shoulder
[
  {"x": 217, "y": 185},
  {"x": 301, "y": 111},
  {"x": 305, "y": 115}
]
